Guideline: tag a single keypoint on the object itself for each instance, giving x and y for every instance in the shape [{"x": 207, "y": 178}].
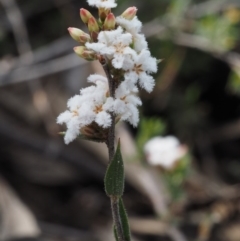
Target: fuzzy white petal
[
  {"x": 102, "y": 3},
  {"x": 103, "y": 119},
  {"x": 147, "y": 82},
  {"x": 64, "y": 117},
  {"x": 93, "y": 78},
  {"x": 132, "y": 26}
]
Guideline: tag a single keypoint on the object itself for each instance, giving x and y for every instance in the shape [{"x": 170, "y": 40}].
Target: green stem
[
  {"x": 111, "y": 150},
  {"x": 116, "y": 217}
]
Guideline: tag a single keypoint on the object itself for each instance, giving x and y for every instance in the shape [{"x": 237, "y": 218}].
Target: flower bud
[
  {"x": 129, "y": 13},
  {"x": 103, "y": 12},
  {"x": 109, "y": 23},
  {"x": 93, "y": 25},
  {"x": 79, "y": 35},
  {"x": 93, "y": 28},
  {"x": 85, "y": 15},
  {"x": 85, "y": 53}
]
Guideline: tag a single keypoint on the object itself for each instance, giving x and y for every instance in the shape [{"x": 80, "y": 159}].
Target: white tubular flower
[
  {"x": 102, "y": 3},
  {"x": 114, "y": 45},
  {"x": 138, "y": 68},
  {"x": 125, "y": 104},
  {"x": 92, "y": 105},
  {"x": 164, "y": 151}
]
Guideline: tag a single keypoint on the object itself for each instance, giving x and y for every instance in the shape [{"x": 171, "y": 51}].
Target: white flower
[
  {"x": 164, "y": 151},
  {"x": 71, "y": 119},
  {"x": 92, "y": 105},
  {"x": 102, "y": 3},
  {"x": 114, "y": 45},
  {"x": 125, "y": 104},
  {"x": 139, "y": 66},
  {"x": 132, "y": 26},
  {"x": 139, "y": 42}
]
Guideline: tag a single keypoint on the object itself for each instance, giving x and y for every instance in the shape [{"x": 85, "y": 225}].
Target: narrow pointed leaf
[
  {"x": 114, "y": 178},
  {"x": 124, "y": 221},
  {"x": 115, "y": 233}
]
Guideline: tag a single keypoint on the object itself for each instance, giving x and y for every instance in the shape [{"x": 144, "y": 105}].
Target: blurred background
[{"x": 50, "y": 191}]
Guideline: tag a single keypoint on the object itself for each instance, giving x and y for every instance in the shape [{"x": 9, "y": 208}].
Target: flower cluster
[
  {"x": 118, "y": 44},
  {"x": 164, "y": 151}
]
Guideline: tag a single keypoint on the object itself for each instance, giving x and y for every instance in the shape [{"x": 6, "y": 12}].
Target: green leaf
[
  {"x": 115, "y": 233},
  {"x": 124, "y": 221},
  {"x": 114, "y": 178}
]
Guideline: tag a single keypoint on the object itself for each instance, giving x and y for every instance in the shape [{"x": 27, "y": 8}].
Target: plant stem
[
  {"x": 111, "y": 132},
  {"x": 111, "y": 82},
  {"x": 116, "y": 217},
  {"x": 111, "y": 150}
]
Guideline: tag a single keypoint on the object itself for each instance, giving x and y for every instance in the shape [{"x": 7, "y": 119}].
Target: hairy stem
[
  {"x": 111, "y": 82},
  {"x": 111, "y": 132},
  {"x": 111, "y": 150},
  {"x": 116, "y": 217}
]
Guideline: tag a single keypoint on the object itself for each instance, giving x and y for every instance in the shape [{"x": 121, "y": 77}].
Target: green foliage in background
[
  {"x": 234, "y": 82},
  {"x": 175, "y": 178},
  {"x": 148, "y": 128},
  {"x": 219, "y": 30}
]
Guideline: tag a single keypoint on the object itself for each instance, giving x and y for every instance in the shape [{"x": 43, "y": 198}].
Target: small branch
[
  {"x": 155, "y": 28},
  {"x": 40, "y": 70},
  {"x": 116, "y": 217},
  {"x": 39, "y": 96},
  {"x": 211, "y": 7}
]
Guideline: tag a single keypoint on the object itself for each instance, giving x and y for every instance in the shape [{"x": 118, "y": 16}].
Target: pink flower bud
[
  {"x": 129, "y": 13},
  {"x": 79, "y": 35},
  {"x": 85, "y": 53},
  {"x": 93, "y": 25},
  {"x": 109, "y": 23},
  {"x": 85, "y": 15},
  {"x": 93, "y": 28}
]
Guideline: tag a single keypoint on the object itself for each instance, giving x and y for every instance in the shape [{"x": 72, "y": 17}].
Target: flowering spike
[
  {"x": 85, "y": 15},
  {"x": 79, "y": 35},
  {"x": 110, "y": 22},
  {"x": 129, "y": 13},
  {"x": 103, "y": 12},
  {"x": 84, "y": 53},
  {"x": 119, "y": 43}
]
